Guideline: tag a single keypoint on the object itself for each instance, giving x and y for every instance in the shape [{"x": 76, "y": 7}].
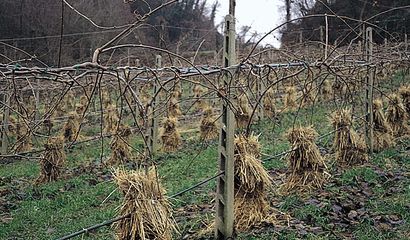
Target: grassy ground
[{"x": 363, "y": 202}]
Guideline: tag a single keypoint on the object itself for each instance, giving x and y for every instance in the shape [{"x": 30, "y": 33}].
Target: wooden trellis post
[
  {"x": 225, "y": 183},
  {"x": 153, "y": 128},
  {"x": 37, "y": 113},
  {"x": 261, "y": 89},
  {"x": 4, "y": 139},
  {"x": 322, "y": 36},
  {"x": 369, "y": 89}
]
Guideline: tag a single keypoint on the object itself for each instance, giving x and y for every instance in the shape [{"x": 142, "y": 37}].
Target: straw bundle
[
  {"x": 120, "y": 148},
  {"x": 71, "y": 127},
  {"x": 110, "y": 119},
  {"x": 349, "y": 146},
  {"x": 174, "y": 110},
  {"x": 106, "y": 99},
  {"x": 326, "y": 90},
  {"x": 80, "y": 108},
  {"x": 290, "y": 98},
  {"x": 83, "y": 100},
  {"x": 308, "y": 95},
  {"x": 251, "y": 183},
  {"x": 11, "y": 127},
  {"x": 171, "y": 139},
  {"x": 404, "y": 91},
  {"x": 23, "y": 136},
  {"x": 269, "y": 103},
  {"x": 177, "y": 92},
  {"x": 53, "y": 160},
  {"x": 144, "y": 198},
  {"x": 69, "y": 101},
  {"x": 397, "y": 116},
  {"x": 144, "y": 93},
  {"x": 306, "y": 165},
  {"x": 244, "y": 111},
  {"x": 209, "y": 127},
  {"x": 199, "y": 103},
  {"x": 382, "y": 131}
]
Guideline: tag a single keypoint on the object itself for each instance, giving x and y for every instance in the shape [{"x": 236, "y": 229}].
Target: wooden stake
[
  {"x": 225, "y": 184},
  {"x": 153, "y": 132},
  {"x": 5, "y": 127},
  {"x": 369, "y": 89}
]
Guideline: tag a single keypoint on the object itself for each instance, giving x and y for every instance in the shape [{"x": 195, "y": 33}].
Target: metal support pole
[
  {"x": 4, "y": 139},
  {"x": 225, "y": 185},
  {"x": 301, "y": 37},
  {"x": 405, "y": 43},
  {"x": 369, "y": 89},
  {"x": 153, "y": 129}
]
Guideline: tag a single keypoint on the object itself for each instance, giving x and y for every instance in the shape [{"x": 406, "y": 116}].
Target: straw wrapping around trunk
[
  {"x": 244, "y": 111},
  {"x": 383, "y": 134},
  {"x": 327, "y": 90},
  {"x": 71, "y": 127},
  {"x": 144, "y": 198},
  {"x": 23, "y": 136},
  {"x": 349, "y": 146},
  {"x": 251, "y": 184},
  {"x": 397, "y": 116},
  {"x": 290, "y": 98},
  {"x": 174, "y": 110},
  {"x": 306, "y": 165},
  {"x": 120, "y": 149},
  {"x": 209, "y": 126},
  {"x": 269, "y": 103},
  {"x": 404, "y": 92},
  {"x": 111, "y": 119},
  {"x": 171, "y": 139},
  {"x": 52, "y": 161}
]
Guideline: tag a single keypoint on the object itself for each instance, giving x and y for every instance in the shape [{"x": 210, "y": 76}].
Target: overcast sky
[{"x": 261, "y": 15}]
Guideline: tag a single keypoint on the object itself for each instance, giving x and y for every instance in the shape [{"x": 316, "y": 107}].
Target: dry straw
[
  {"x": 71, "y": 127},
  {"x": 69, "y": 101},
  {"x": 252, "y": 182},
  {"x": 120, "y": 148},
  {"x": 308, "y": 95},
  {"x": 171, "y": 139},
  {"x": 397, "y": 116},
  {"x": 145, "y": 201},
  {"x": 290, "y": 98},
  {"x": 199, "y": 103},
  {"x": 327, "y": 90},
  {"x": 174, "y": 110},
  {"x": 405, "y": 95},
  {"x": 244, "y": 111},
  {"x": 24, "y": 134},
  {"x": 383, "y": 134},
  {"x": 306, "y": 165},
  {"x": 106, "y": 99},
  {"x": 83, "y": 100},
  {"x": 52, "y": 161},
  {"x": 349, "y": 146},
  {"x": 209, "y": 127},
  {"x": 111, "y": 119},
  {"x": 269, "y": 103},
  {"x": 80, "y": 108}
]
